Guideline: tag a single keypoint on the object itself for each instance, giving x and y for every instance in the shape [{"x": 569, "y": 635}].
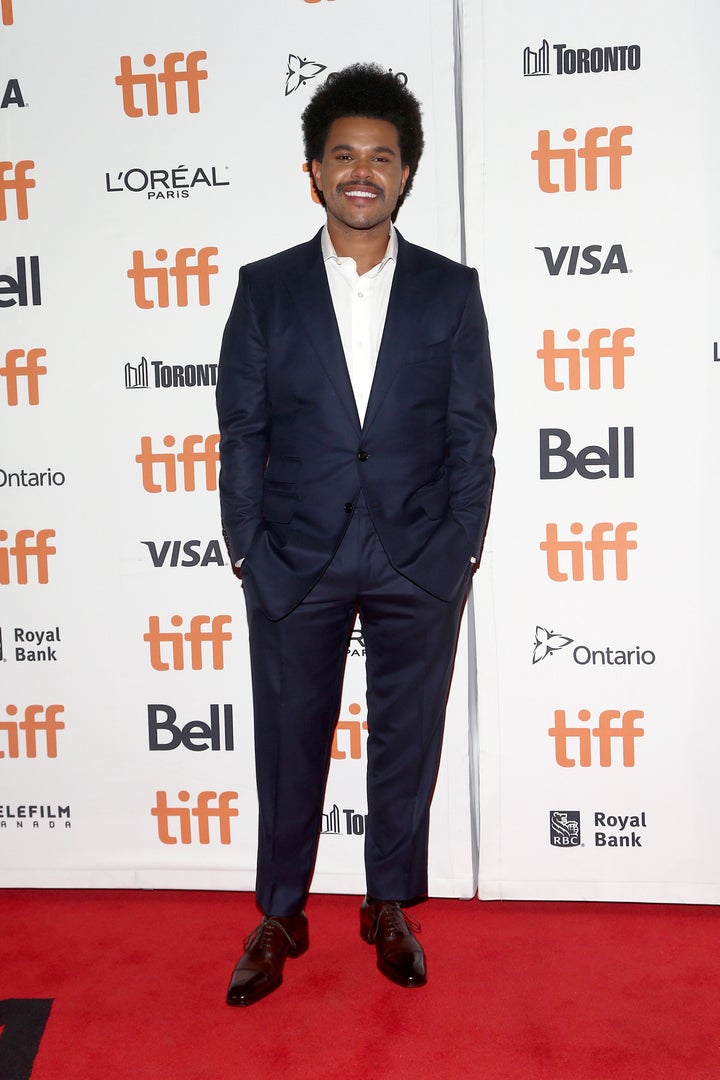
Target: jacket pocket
[
  {"x": 278, "y": 505},
  {"x": 435, "y": 498},
  {"x": 436, "y": 352}
]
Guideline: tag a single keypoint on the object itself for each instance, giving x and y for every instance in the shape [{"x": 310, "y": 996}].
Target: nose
[{"x": 362, "y": 169}]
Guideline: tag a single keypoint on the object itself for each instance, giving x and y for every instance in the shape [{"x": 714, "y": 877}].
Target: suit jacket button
[
  {"x": 348, "y": 508},
  {"x": 363, "y": 455}
]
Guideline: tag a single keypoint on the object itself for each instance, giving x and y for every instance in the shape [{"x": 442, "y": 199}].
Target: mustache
[{"x": 364, "y": 184}]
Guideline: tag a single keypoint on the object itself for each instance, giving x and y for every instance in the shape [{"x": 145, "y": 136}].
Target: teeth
[{"x": 361, "y": 194}]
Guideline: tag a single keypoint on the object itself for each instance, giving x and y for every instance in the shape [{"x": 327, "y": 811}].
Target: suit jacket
[{"x": 294, "y": 457}]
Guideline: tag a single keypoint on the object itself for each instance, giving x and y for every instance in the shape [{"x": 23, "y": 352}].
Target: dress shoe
[
  {"x": 260, "y": 969},
  {"x": 400, "y": 955}
]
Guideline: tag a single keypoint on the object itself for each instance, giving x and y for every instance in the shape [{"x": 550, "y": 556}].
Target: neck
[{"x": 366, "y": 246}]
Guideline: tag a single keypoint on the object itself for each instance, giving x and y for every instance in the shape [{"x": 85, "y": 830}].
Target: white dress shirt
[{"x": 360, "y": 303}]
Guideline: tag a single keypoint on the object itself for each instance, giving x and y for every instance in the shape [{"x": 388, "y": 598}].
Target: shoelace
[
  {"x": 262, "y": 935},
  {"x": 394, "y": 921}
]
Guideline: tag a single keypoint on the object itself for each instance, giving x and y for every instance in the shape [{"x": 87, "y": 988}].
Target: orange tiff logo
[
  {"x": 593, "y": 149},
  {"x": 605, "y": 353},
  {"x": 15, "y": 178},
  {"x": 204, "y": 631},
  {"x": 202, "y": 814},
  {"x": 188, "y": 263},
  {"x": 176, "y": 68},
  {"x": 37, "y": 720},
  {"x": 6, "y": 12},
  {"x": 14, "y": 370},
  {"x": 197, "y": 450},
  {"x": 29, "y": 547},
  {"x": 354, "y": 729},
  {"x": 604, "y": 537},
  {"x": 606, "y": 733}
]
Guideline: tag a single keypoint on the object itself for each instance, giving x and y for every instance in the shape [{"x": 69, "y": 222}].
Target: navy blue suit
[{"x": 332, "y": 517}]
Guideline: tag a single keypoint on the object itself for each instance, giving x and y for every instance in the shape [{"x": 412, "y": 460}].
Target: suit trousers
[{"x": 297, "y": 664}]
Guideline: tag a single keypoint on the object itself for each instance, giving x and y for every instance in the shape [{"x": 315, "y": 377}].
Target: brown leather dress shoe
[
  {"x": 400, "y": 955},
  {"x": 259, "y": 970}
]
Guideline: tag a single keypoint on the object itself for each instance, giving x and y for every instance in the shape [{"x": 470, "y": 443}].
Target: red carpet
[{"x": 558, "y": 991}]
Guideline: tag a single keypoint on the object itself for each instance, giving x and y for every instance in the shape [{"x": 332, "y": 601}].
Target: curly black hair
[{"x": 364, "y": 90}]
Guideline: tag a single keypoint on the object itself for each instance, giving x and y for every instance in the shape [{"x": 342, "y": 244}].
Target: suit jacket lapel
[
  {"x": 309, "y": 288},
  {"x": 403, "y": 311}
]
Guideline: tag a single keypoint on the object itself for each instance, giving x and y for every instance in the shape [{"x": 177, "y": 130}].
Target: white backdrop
[
  {"x": 125, "y": 727},
  {"x": 623, "y": 803},
  {"x": 125, "y": 732}
]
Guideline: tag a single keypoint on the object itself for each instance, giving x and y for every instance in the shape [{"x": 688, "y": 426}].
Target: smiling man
[{"x": 355, "y": 404}]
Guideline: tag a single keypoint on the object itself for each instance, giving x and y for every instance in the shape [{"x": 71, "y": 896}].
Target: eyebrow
[{"x": 376, "y": 149}]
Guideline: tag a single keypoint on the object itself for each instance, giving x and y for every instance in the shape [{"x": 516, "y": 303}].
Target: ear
[
  {"x": 317, "y": 174},
  {"x": 405, "y": 174}
]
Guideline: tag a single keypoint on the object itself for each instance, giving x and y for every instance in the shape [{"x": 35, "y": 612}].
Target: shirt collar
[{"x": 329, "y": 253}]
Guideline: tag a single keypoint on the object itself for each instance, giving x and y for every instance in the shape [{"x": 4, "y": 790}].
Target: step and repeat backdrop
[
  {"x": 149, "y": 151},
  {"x": 592, "y": 210}
]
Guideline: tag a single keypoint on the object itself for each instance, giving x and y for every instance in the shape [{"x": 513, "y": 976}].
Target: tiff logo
[
  {"x": 6, "y": 12},
  {"x": 23, "y": 551},
  {"x": 197, "y": 450},
  {"x": 37, "y": 720},
  {"x": 172, "y": 73},
  {"x": 14, "y": 370},
  {"x": 182, "y": 270},
  {"x": 203, "y": 813},
  {"x": 618, "y": 542},
  {"x": 590, "y": 152},
  {"x": 605, "y": 733},
  {"x": 354, "y": 729},
  {"x": 606, "y": 352},
  {"x": 15, "y": 178},
  {"x": 204, "y": 631}
]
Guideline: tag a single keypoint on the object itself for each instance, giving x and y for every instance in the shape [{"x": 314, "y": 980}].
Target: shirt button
[
  {"x": 361, "y": 295},
  {"x": 348, "y": 508},
  {"x": 363, "y": 455}
]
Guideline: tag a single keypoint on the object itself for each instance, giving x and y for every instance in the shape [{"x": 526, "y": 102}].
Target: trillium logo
[
  {"x": 300, "y": 71},
  {"x": 547, "y": 642}
]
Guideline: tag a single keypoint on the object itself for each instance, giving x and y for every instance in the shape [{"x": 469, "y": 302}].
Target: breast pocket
[{"x": 437, "y": 353}]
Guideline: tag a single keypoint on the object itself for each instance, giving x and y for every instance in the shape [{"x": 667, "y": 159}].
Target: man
[{"x": 356, "y": 414}]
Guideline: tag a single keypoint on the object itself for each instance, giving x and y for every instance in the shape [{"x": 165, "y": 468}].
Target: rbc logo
[
  {"x": 593, "y": 148},
  {"x": 182, "y": 270},
  {"x": 172, "y": 73},
  {"x": 15, "y": 178},
  {"x": 565, "y": 828}
]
